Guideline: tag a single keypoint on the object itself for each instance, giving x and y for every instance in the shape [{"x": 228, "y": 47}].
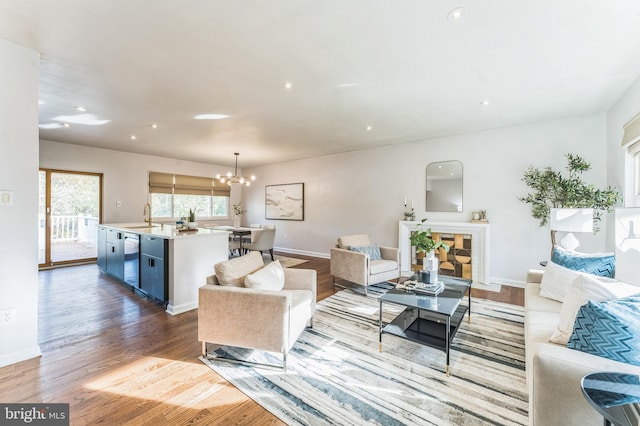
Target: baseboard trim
[
  {"x": 302, "y": 252},
  {"x": 180, "y": 309},
  {"x": 505, "y": 281},
  {"x": 19, "y": 356}
]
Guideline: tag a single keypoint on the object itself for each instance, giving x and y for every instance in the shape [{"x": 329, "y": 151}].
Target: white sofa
[{"x": 554, "y": 371}]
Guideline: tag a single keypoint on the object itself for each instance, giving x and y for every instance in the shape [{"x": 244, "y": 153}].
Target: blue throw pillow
[
  {"x": 609, "y": 329},
  {"x": 600, "y": 264},
  {"x": 373, "y": 251}
]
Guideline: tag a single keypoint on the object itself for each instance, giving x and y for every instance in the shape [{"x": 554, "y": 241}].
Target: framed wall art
[{"x": 284, "y": 202}]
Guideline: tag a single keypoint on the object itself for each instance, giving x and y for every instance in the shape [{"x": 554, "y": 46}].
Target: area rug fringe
[{"x": 336, "y": 375}]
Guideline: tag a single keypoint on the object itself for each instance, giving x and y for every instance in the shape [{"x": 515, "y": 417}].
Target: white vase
[
  {"x": 237, "y": 221},
  {"x": 192, "y": 225},
  {"x": 430, "y": 264}
]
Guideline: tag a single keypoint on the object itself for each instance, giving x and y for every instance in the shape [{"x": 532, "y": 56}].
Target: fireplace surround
[{"x": 479, "y": 244}]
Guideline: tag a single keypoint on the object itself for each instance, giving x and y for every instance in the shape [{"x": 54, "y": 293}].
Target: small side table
[{"x": 616, "y": 396}]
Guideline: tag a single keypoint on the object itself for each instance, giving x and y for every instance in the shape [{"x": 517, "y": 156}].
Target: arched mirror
[{"x": 444, "y": 186}]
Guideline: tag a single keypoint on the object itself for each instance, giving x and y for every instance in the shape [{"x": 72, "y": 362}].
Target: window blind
[
  {"x": 634, "y": 149},
  {"x": 193, "y": 185},
  {"x": 221, "y": 189},
  {"x": 631, "y": 130},
  {"x": 160, "y": 183},
  {"x": 168, "y": 183}
]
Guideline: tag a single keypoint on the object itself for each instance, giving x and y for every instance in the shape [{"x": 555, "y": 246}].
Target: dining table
[{"x": 237, "y": 232}]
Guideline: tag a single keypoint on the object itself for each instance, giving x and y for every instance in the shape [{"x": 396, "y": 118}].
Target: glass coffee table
[
  {"x": 616, "y": 396},
  {"x": 429, "y": 320}
]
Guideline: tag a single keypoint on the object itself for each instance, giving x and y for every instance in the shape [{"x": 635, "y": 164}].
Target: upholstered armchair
[
  {"x": 261, "y": 240},
  {"x": 363, "y": 266},
  {"x": 255, "y": 318}
]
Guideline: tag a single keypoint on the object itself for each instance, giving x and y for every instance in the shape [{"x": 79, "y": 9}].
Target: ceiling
[{"x": 364, "y": 73}]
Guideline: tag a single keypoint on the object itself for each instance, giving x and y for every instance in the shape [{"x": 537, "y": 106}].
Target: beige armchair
[
  {"x": 359, "y": 268},
  {"x": 265, "y": 320},
  {"x": 262, "y": 241}
]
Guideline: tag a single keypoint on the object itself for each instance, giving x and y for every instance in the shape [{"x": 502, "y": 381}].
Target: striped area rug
[{"x": 336, "y": 375}]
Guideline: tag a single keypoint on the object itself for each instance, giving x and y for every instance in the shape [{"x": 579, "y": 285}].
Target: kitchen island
[{"x": 160, "y": 261}]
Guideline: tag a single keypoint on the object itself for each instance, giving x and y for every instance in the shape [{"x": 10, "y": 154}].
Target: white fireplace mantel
[{"x": 479, "y": 244}]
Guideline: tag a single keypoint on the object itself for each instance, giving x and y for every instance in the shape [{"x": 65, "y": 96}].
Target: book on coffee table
[{"x": 422, "y": 288}]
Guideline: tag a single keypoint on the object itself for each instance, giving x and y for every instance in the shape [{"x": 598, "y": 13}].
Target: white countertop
[{"x": 161, "y": 230}]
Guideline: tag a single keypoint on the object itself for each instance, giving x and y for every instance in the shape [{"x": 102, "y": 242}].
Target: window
[
  {"x": 174, "y": 195},
  {"x": 633, "y": 175},
  {"x": 162, "y": 205},
  {"x": 631, "y": 142}
]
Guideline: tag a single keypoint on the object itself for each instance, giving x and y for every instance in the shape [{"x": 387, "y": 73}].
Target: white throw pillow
[
  {"x": 555, "y": 281},
  {"x": 584, "y": 288},
  {"x": 271, "y": 277},
  {"x": 232, "y": 272}
]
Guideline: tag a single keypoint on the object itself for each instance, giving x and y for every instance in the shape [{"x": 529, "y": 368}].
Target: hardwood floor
[{"x": 117, "y": 358}]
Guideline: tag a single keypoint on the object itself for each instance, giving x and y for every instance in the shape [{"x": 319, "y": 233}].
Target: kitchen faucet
[{"x": 147, "y": 213}]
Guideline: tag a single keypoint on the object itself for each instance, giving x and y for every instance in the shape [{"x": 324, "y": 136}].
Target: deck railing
[{"x": 76, "y": 228}]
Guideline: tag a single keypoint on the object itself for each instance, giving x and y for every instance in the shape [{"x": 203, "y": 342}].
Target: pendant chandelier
[{"x": 234, "y": 178}]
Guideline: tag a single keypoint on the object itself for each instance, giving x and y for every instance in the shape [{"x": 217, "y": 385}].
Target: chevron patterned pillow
[
  {"x": 609, "y": 329},
  {"x": 601, "y": 264}
]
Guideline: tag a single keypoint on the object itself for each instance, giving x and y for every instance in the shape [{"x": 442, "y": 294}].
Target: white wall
[
  {"x": 125, "y": 175},
  {"x": 363, "y": 191},
  {"x": 19, "y": 222}
]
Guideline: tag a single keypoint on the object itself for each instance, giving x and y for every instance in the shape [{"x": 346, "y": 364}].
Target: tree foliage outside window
[
  {"x": 162, "y": 205},
  {"x": 169, "y": 205},
  {"x": 74, "y": 194},
  {"x": 553, "y": 189}
]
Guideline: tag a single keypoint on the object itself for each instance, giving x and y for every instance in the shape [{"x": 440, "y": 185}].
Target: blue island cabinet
[
  {"x": 111, "y": 252},
  {"x": 154, "y": 274}
]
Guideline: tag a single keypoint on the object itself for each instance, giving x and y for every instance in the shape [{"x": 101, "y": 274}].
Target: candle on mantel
[
  {"x": 405, "y": 200},
  {"x": 411, "y": 203}
]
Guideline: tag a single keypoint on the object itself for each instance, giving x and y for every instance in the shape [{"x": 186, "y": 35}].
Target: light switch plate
[{"x": 6, "y": 198}]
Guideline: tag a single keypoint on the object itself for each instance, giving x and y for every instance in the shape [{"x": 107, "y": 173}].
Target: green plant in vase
[
  {"x": 192, "y": 219},
  {"x": 238, "y": 210},
  {"x": 422, "y": 240}
]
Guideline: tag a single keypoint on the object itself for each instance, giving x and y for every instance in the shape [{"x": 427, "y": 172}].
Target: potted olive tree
[{"x": 553, "y": 189}]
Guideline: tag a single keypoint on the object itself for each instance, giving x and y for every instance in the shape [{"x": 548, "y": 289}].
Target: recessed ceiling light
[
  {"x": 50, "y": 126},
  {"x": 288, "y": 85},
  {"x": 484, "y": 103},
  {"x": 133, "y": 137},
  {"x": 154, "y": 126},
  {"x": 81, "y": 109},
  {"x": 456, "y": 14},
  {"x": 210, "y": 116},
  {"x": 67, "y": 125},
  {"x": 85, "y": 119},
  {"x": 369, "y": 128},
  {"x": 40, "y": 102}
]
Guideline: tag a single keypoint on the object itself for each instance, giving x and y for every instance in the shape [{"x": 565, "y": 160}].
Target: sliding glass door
[{"x": 69, "y": 212}]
